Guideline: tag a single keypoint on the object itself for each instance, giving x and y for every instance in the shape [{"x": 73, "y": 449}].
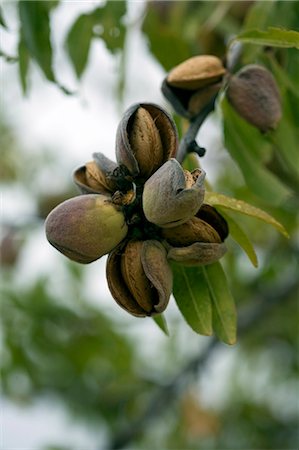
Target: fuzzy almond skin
[
  {"x": 254, "y": 94},
  {"x": 146, "y": 137},
  {"x": 86, "y": 227},
  {"x": 171, "y": 196}
]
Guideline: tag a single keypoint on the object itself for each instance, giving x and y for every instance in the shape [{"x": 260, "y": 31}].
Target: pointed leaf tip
[{"x": 160, "y": 320}]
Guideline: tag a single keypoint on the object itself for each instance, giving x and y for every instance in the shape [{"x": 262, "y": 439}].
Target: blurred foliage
[
  {"x": 104, "y": 23},
  {"x": 73, "y": 352}
]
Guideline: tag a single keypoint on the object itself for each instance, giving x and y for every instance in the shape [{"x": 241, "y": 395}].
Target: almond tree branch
[
  {"x": 188, "y": 143},
  {"x": 165, "y": 395}
]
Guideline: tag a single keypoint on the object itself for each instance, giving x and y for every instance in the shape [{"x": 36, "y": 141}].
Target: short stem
[{"x": 187, "y": 143}]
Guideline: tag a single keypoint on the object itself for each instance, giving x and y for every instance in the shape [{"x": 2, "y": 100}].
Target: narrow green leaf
[
  {"x": 24, "y": 60},
  {"x": 35, "y": 32},
  {"x": 215, "y": 199},
  {"x": 245, "y": 146},
  {"x": 161, "y": 322},
  {"x": 192, "y": 296},
  {"x": 285, "y": 137},
  {"x": 259, "y": 15},
  {"x": 282, "y": 76},
  {"x": 2, "y": 21},
  {"x": 236, "y": 232},
  {"x": 223, "y": 305},
  {"x": 275, "y": 37},
  {"x": 78, "y": 42}
]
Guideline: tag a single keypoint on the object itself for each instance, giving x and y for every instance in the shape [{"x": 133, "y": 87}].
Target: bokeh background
[{"x": 76, "y": 371}]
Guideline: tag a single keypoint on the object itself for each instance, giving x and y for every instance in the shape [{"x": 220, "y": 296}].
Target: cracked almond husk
[
  {"x": 172, "y": 195},
  {"x": 198, "y": 241},
  {"x": 191, "y": 85},
  {"x": 211, "y": 216},
  {"x": 93, "y": 177},
  {"x": 139, "y": 277},
  {"x": 199, "y": 253},
  {"x": 146, "y": 138},
  {"x": 194, "y": 230}
]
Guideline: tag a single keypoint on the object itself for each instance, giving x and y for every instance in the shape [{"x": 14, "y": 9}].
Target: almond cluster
[{"x": 143, "y": 211}]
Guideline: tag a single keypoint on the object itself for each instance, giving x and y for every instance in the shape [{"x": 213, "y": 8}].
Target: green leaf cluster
[
  {"x": 35, "y": 41},
  {"x": 71, "y": 351}
]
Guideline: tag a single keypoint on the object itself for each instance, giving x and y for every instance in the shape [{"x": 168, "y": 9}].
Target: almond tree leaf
[
  {"x": 259, "y": 15},
  {"x": 274, "y": 37},
  {"x": 35, "y": 32},
  {"x": 163, "y": 38},
  {"x": 161, "y": 322},
  {"x": 282, "y": 76},
  {"x": 192, "y": 296},
  {"x": 114, "y": 31},
  {"x": 223, "y": 305},
  {"x": 244, "y": 144},
  {"x": 78, "y": 42},
  {"x": 24, "y": 59},
  {"x": 236, "y": 232},
  {"x": 2, "y": 21},
  {"x": 107, "y": 20},
  {"x": 215, "y": 199},
  {"x": 285, "y": 137}
]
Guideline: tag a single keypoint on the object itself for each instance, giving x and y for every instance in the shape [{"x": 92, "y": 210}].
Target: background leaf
[
  {"x": 223, "y": 305},
  {"x": 24, "y": 59},
  {"x": 35, "y": 32},
  {"x": 246, "y": 146},
  {"x": 104, "y": 23},
  {"x": 78, "y": 42},
  {"x": 168, "y": 38},
  {"x": 273, "y": 36},
  {"x": 110, "y": 18},
  {"x": 192, "y": 297},
  {"x": 285, "y": 138}
]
